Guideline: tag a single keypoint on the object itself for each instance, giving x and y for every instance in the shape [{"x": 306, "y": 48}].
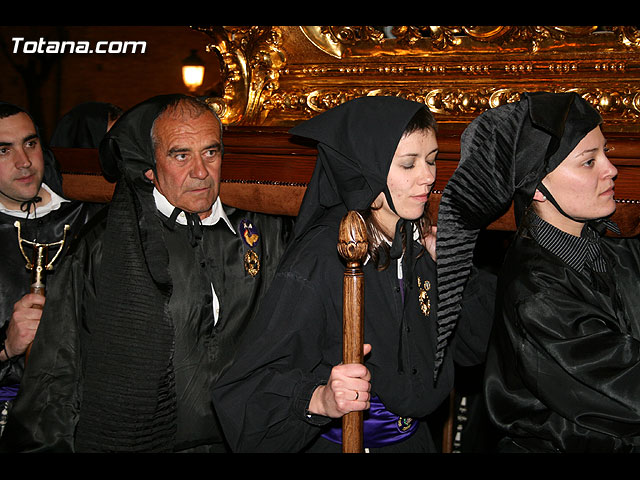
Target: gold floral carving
[
  {"x": 250, "y": 61},
  {"x": 280, "y": 75}
]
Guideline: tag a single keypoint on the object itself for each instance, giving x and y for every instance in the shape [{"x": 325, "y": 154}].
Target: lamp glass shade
[{"x": 192, "y": 76}]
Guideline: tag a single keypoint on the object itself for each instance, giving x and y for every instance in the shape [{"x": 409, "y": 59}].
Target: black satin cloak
[
  {"x": 14, "y": 276},
  {"x": 203, "y": 350},
  {"x": 46, "y": 412},
  {"x": 563, "y": 368}
]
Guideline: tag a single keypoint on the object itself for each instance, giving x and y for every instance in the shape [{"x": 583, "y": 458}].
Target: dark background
[{"x": 49, "y": 85}]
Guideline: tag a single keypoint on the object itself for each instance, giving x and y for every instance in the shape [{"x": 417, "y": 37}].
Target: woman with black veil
[{"x": 287, "y": 389}]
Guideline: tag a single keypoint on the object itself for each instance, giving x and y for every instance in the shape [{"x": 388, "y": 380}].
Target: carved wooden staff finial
[{"x": 352, "y": 245}]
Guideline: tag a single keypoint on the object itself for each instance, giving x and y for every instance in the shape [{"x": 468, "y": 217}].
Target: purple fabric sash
[
  {"x": 8, "y": 392},
  {"x": 380, "y": 427}
]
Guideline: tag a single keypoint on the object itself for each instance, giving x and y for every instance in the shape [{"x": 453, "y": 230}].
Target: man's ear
[{"x": 149, "y": 174}]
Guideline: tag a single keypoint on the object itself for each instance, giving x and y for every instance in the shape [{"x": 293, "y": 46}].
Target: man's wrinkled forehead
[{"x": 181, "y": 114}]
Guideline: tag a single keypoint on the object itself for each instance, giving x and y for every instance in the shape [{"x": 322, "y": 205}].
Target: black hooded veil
[
  {"x": 83, "y": 126},
  {"x": 505, "y": 154},
  {"x": 130, "y": 402},
  {"x": 125, "y": 391},
  {"x": 356, "y": 142}
]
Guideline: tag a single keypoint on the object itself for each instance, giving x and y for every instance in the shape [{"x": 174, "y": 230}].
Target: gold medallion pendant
[
  {"x": 404, "y": 423},
  {"x": 251, "y": 263},
  {"x": 423, "y": 296}
]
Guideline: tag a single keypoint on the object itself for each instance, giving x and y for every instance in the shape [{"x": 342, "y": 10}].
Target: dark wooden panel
[{"x": 257, "y": 157}]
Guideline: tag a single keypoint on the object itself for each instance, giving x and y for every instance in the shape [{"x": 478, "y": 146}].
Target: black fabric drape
[{"x": 563, "y": 367}]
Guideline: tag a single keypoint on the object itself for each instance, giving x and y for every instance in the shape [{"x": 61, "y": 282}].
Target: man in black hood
[
  {"x": 85, "y": 125},
  {"x": 32, "y": 209},
  {"x": 162, "y": 291}
]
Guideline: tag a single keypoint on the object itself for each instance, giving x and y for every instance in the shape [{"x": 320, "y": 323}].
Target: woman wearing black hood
[
  {"x": 563, "y": 367},
  {"x": 287, "y": 390}
]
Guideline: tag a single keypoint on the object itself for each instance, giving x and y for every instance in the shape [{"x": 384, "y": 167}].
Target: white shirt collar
[
  {"x": 217, "y": 211},
  {"x": 41, "y": 210}
]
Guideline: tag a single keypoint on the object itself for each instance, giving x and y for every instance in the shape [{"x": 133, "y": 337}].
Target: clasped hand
[
  {"x": 347, "y": 390},
  {"x": 23, "y": 324}
]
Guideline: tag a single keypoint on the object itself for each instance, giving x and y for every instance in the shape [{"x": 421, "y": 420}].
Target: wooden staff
[
  {"x": 352, "y": 245},
  {"x": 447, "y": 429}
]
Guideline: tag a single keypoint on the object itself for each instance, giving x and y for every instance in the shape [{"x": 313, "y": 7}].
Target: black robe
[
  {"x": 297, "y": 338},
  {"x": 14, "y": 276},
  {"x": 563, "y": 368},
  {"x": 47, "y": 410}
]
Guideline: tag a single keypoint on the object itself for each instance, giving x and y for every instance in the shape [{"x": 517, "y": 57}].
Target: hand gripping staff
[{"x": 38, "y": 263}]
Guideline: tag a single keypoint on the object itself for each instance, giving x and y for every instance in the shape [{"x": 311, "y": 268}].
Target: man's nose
[
  {"x": 199, "y": 170},
  {"x": 22, "y": 159}
]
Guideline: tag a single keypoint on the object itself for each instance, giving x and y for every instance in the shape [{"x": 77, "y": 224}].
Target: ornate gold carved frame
[{"x": 280, "y": 75}]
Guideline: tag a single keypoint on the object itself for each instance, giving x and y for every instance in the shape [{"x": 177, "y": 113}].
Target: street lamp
[{"x": 192, "y": 71}]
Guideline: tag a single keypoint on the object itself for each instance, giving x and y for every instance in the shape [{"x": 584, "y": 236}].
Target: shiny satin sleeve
[
  {"x": 577, "y": 362},
  {"x": 45, "y": 412}
]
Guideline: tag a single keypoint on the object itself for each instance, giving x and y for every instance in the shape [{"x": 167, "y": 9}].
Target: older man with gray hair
[{"x": 162, "y": 291}]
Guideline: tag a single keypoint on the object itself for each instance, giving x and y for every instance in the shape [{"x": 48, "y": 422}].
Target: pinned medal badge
[
  {"x": 250, "y": 237},
  {"x": 251, "y": 263},
  {"x": 249, "y": 233},
  {"x": 404, "y": 423},
  {"x": 423, "y": 296}
]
